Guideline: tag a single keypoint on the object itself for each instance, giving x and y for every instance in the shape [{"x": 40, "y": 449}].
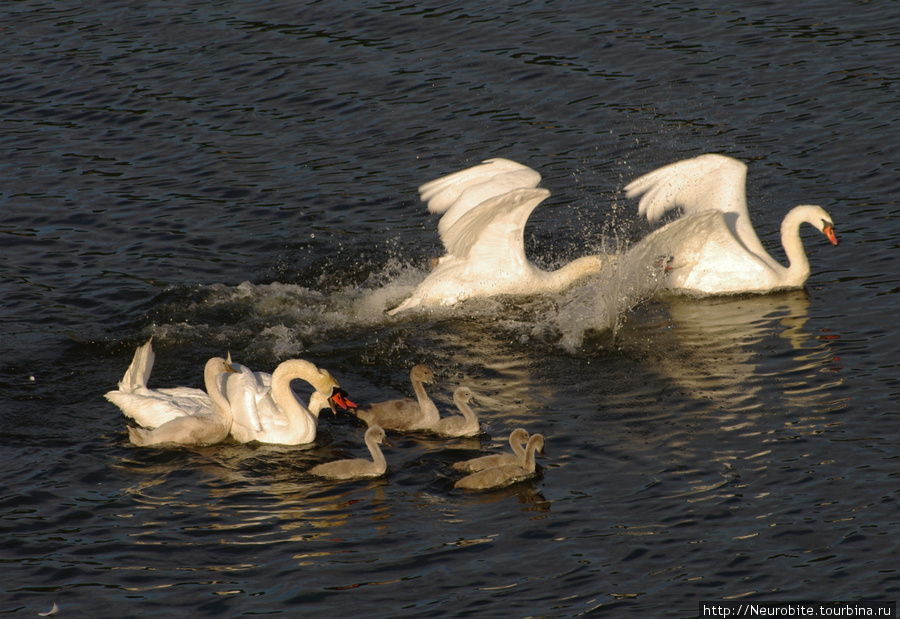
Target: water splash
[
  {"x": 600, "y": 304},
  {"x": 283, "y": 319}
]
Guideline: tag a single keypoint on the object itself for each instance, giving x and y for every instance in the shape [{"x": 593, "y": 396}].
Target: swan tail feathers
[{"x": 138, "y": 373}]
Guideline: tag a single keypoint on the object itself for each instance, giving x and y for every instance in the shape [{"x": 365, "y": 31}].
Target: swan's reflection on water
[
  {"x": 729, "y": 349},
  {"x": 260, "y": 495},
  {"x": 738, "y": 380}
]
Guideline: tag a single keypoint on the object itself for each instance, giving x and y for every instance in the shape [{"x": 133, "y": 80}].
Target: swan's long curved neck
[
  {"x": 419, "y": 390},
  {"x": 281, "y": 386},
  {"x": 534, "y": 443},
  {"x": 565, "y": 276},
  {"x": 798, "y": 264},
  {"x": 529, "y": 457},
  {"x": 517, "y": 446},
  {"x": 215, "y": 367},
  {"x": 375, "y": 449},
  {"x": 466, "y": 410},
  {"x": 426, "y": 406}
]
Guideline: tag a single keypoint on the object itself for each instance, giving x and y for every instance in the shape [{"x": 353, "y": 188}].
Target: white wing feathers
[
  {"x": 138, "y": 373},
  {"x": 485, "y": 209},
  {"x": 709, "y": 182},
  {"x": 458, "y": 193},
  {"x": 441, "y": 193},
  {"x": 494, "y": 229},
  {"x": 245, "y": 393},
  {"x": 706, "y": 183}
]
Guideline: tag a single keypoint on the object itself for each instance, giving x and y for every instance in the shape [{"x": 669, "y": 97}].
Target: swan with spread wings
[{"x": 485, "y": 209}]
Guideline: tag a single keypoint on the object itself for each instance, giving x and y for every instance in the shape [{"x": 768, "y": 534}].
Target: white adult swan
[
  {"x": 406, "y": 414},
  {"x": 356, "y": 468},
  {"x": 174, "y": 415},
  {"x": 505, "y": 474},
  {"x": 273, "y": 414},
  {"x": 713, "y": 248},
  {"x": 517, "y": 440},
  {"x": 151, "y": 408},
  {"x": 459, "y": 425},
  {"x": 253, "y": 390},
  {"x": 197, "y": 428},
  {"x": 485, "y": 210}
]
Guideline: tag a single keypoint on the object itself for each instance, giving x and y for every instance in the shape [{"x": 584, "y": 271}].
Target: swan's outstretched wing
[
  {"x": 458, "y": 193},
  {"x": 485, "y": 249},
  {"x": 705, "y": 183},
  {"x": 493, "y": 231}
]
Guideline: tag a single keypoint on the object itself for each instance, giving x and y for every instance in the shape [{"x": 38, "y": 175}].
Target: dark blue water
[{"x": 242, "y": 177}]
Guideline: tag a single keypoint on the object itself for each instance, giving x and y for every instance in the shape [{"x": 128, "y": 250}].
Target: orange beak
[
  {"x": 339, "y": 397},
  {"x": 829, "y": 232}
]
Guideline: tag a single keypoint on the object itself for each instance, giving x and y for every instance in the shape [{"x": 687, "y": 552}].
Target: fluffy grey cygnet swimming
[
  {"x": 505, "y": 474},
  {"x": 406, "y": 414},
  {"x": 459, "y": 425},
  {"x": 355, "y": 468},
  {"x": 517, "y": 440}
]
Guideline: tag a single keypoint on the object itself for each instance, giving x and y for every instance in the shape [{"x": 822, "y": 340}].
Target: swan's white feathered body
[
  {"x": 272, "y": 413},
  {"x": 173, "y": 415},
  {"x": 197, "y": 428},
  {"x": 713, "y": 248},
  {"x": 151, "y": 408},
  {"x": 485, "y": 210}
]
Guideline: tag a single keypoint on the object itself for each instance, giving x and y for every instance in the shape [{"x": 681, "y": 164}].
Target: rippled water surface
[{"x": 242, "y": 177}]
